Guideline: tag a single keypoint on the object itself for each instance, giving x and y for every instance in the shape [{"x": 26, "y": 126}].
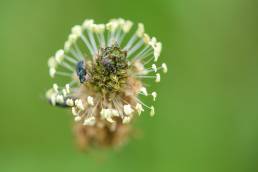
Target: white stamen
[
  {"x": 79, "y": 104},
  {"x": 90, "y": 121},
  {"x": 52, "y": 63},
  {"x": 60, "y": 99},
  {"x": 140, "y": 30},
  {"x": 164, "y": 67},
  {"x": 157, "y": 77},
  {"x": 75, "y": 113},
  {"x": 87, "y": 23},
  {"x": 53, "y": 100},
  {"x": 105, "y": 113},
  {"x": 90, "y": 100},
  {"x": 64, "y": 92},
  {"x": 154, "y": 95},
  {"x": 139, "y": 108},
  {"x": 67, "y": 45},
  {"x": 55, "y": 87},
  {"x": 127, "y": 26},
  {"x": 77, "y": 118},
  {"x": 127, "y": 119},
  {"x": 114, "y": 112},
  {"x": 52, "y": 72},
  {"x": 154, "y": 67},
  {"x": 144, "y": 91},
  {"x": 128, "y": 109},
  {"x": 146, "y": 38},
  {"x": 70, "y": 102},
  {"x": 59, "y": 56},
  {"x": 157, "y": 51},
  {"x": 77, "y": 30}
]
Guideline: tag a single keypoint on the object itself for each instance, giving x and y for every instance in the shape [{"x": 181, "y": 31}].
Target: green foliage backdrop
[{"x": 207, "y": 106}]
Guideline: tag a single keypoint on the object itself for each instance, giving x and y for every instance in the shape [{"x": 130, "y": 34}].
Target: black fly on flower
[{"x": 105, "y": 78}]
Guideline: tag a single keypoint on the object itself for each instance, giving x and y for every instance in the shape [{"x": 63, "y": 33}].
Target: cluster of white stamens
[{"x": 84, "y": 43}]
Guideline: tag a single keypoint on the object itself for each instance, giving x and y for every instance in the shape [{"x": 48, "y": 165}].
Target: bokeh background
[{"x": 207, "y": 112}]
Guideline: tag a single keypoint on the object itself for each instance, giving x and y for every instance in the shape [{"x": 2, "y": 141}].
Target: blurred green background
[{"x": 207, "y": 112}]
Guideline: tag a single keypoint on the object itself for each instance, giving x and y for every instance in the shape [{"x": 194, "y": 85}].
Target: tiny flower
[
  {"x": 89, "y": 121},
  {"x": 52, "y": 63},
  {"x": 140, "y": 30},
  {"x": 64, "y": 92},
  {"x": 157, "y": 77},
  {"x": 146, "y": 38},
  {"x": 55, "y": 87},
  {"x": 69, "y": 102},
  {"x": 139, "y": 108},
  {"x": 164, "y": 67},
  {"x": 154, "y": 95},
  {"x": 79, "y": 104},
  {"x": 157, "y": 51},
  {"x": 154, "y": 68},
  {"x": 52, "y": 72},
  {"x": 53, "y": 100},
  {"x": 77, "y": 118},
  {"x": 144, "y": 91},
  {"x": 105, "y": 67},
  {"x": 127, "y": 119},
  {"x": 90, "y": 100},
  {"x": 114, "y": 112},
  {"x": 127, "y": 26},
  {"x": 60, "y": 99},
  {"x": 74, "y": 112},
  {"x": 77, "y": 30},
  {"x": 59, "y": 56},
  {"x": 128, "y": 109}
]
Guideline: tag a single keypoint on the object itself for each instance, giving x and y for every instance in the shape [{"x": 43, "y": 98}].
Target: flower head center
[{"x": 109, "y": 71}]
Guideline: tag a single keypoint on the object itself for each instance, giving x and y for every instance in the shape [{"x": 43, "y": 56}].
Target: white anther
[
  {"x": 140, "y": 30},
  {"x": 77, "y": 118},
  {"x": 70, "y": 102},
  {"x": 154, "y": 95},
  {"x": 154, "y": 67},
  {"x": 75, "y": 113},
  {"x": 67, "y": 45},
  {"x": 157, "y": 77},
  {"x": 146, "y": 38},
  {"x": 77, "y": 30},
  {"x": 55, "y": 87},
  {"x": 79, "y": 104},
  {"x": 52, "y": 72},
  {"x": 157, "y": 51},
  {"x": 52, "y": 62},
  {"x": 139, "y": 108},
  {"x": 164, "y": 67},
  {"x": 144, "y": 91},
  {"x": 128, "y": 109},
  {"x": 90, "y": 121},
  {"x": 87, "y": 24},
  {"x": 127, "y": 119},
  {"x": 127, "y": 26},
  {"x": 60, "y": 99},
  {"x": 59, "y": 56},
  {"x": 90, "y": 100}
]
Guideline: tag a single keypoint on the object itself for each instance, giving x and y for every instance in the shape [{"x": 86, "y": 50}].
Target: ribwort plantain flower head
[{"x": 102, "y": 70}]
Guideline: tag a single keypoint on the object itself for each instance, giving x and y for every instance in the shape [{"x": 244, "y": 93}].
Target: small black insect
[{"x": 81, "y": 71}]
